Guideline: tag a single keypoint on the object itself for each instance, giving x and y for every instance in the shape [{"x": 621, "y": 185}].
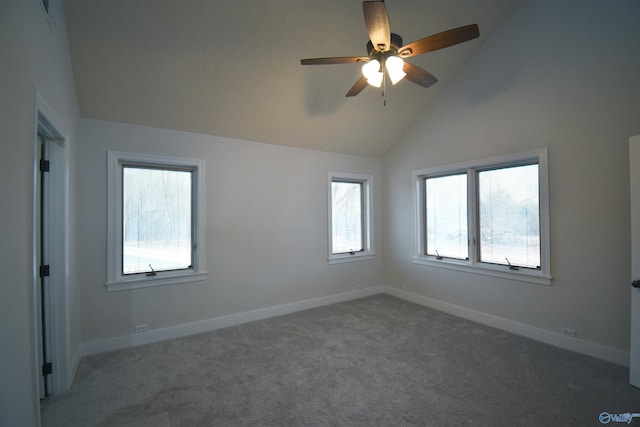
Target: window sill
[
  {"x": 124, "y": 284},
  {"x": 521, "y": 275},
  {"x": 340, "y": 259}
]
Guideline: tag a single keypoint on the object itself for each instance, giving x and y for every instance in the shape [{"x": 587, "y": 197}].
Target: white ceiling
[{"x": 232, "y": 68}]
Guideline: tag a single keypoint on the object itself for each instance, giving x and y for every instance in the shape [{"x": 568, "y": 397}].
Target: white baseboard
[
  {"x": 589, "y": 348},
  {"x": 186, "y": 329}
]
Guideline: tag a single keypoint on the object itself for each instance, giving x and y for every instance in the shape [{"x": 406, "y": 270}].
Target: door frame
[
  {"x": 634, "y": 183},
  {"x": 45, "y": 121}
]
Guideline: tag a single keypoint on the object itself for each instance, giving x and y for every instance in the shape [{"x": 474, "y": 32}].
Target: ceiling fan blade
[
  {"x": 439, "y": 41},
  {"x": 358, "y": 87},
  {"x": 377, "y": 22},
  {"x": 418, "y": 75},
  {"x": 334, "y": 60}
]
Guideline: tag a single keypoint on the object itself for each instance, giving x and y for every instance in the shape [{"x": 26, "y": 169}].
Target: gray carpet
[
  {"x": 377, "y": 361},
  {"x": 158, "y": 420}
]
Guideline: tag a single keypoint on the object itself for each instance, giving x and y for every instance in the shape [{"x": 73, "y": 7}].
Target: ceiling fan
[{"x": 387, "y": 53}]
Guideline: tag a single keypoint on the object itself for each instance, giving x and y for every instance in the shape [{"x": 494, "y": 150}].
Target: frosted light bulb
[
  {"x": 394, "y": 66},
  {"x": 371, "y": 70}
]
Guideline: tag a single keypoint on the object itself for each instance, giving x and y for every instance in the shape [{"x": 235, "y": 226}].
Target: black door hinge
[
  {"x": 47, "y": 369},
  {"x": 44, "y": 165},
  {"x": 44, "y": 271}
]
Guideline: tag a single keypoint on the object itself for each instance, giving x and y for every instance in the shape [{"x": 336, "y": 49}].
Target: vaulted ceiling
[{"x": 232, "y": 68}]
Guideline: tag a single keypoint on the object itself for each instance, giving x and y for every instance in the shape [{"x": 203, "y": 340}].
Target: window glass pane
[
  {"x": 446, "y": 218},
  {"x": 157, "y": 215},
  {"x": 346, "y": 211},
  {"x": 510, "y": 216}
]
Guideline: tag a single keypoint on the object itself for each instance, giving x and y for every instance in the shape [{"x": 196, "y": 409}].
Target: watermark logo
[{"x": 627, "y": 417}]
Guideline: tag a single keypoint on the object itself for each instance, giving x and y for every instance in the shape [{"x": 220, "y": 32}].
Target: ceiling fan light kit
[
  {"x": 387, "y": 53},
  {"x": 374, "y": 69},
  {"x": 373, "y": 72},
  {"x": 395, "y": 66}
]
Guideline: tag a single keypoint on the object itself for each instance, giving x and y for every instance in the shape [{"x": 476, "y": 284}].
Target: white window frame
[
  {"x": 116, "y": 281},
  {"x": 473, "y": 264},
  {"x": 367, "y": 205}
]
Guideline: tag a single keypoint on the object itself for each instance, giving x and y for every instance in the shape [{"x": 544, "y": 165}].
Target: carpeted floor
[{"x": 377, "y": 361}]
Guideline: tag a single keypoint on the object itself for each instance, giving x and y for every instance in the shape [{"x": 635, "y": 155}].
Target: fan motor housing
[{"x": 396, "y": 43}]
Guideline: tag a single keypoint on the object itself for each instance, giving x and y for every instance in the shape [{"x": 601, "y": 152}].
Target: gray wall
[
  {"x": 266, "y": 220},
  {"x": 562, "y": 75},
  {"x": 34, "y": 57}
]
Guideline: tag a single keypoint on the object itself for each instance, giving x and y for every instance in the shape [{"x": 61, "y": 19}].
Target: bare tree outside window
[
  {"x": 446, "y": 216},
  {"x": 347, "y": 217},
  {"x": 510, "y": 216},
  {"x": 157, "y": 219}
]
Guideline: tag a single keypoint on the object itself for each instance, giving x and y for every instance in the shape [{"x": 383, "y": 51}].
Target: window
[
  {"x": 156, "y": 219},
  {"x": 509, "y": 216},
  {"x": 350, "y": 217},
  {"x": 155, "y": 223},
  {"x": 347, "y": 219},
  {"x": 447, "y": 216},
  {"x": 489, "y": 216}
]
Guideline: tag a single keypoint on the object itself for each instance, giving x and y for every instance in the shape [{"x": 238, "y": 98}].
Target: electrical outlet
[
  {"x": 568, "y": 332},
  {"x": 141, "y": 328}
]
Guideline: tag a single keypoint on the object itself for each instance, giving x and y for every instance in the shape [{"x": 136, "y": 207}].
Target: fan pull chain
[{"x": 384, "y": 87}]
